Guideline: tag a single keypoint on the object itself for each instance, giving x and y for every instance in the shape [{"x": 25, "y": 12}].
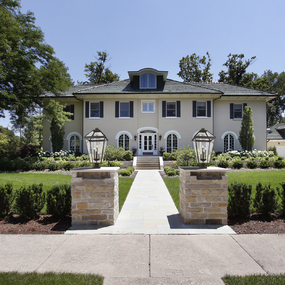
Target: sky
[{"x": 158, "y": 33}]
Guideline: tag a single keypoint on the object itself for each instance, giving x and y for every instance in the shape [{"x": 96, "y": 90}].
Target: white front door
[{"x": 148, "y": 144}]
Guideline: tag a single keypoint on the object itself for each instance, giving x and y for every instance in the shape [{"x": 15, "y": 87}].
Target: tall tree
[
  {"x": 98, "y": 73},
  {"x": 28, "y": 66},
  {"x": 195, "y": 69},
  {"x": 57, "y": 117},
  {"x": 246, "y": 137},
  {"x": 236, "y": 69}
]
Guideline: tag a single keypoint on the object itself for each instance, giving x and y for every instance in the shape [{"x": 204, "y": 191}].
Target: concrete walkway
[
  {"x": 146, "y": 259},
  {"x": 149, "y": 209}
]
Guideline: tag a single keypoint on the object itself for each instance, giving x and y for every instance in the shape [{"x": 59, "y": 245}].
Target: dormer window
[{"x": 147, "y": 81}]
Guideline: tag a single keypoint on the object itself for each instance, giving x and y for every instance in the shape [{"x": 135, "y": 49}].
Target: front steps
[{"x": 147, "y": 163}]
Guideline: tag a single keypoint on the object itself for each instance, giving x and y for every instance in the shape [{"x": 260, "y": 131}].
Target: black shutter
[
  {"x": 117, "y": 109},
  {"x": 231, "y": 110},
  {"x": 136, "y": 82},
  {"x": 159, "y": 82},
  {"x": 101, "y": 109},
  {"x": 131, "y": 109},
  {"x": 194, "y": 108},
  {"x": 208, "y": 109},
  {"x": 244, "y": 105},
  {"x": 163, "y": 108},
  {"x": 178, "y": 108},
  {"x": 87, "y": 109}
]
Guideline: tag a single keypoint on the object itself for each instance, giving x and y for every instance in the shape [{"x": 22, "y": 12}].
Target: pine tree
[{"x": 246, "y": 137}]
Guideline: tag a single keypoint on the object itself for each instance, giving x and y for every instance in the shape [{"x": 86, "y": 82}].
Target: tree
[
  {"x": 8, "y": 143},
  {"x": 28, "y": 66},
  {"x": 195, "y": 69},
  {"x": 236, "y": 65},
  {"x": 57, "y": 117},
  {"x": 97, "y": 73},
  {"x": 246, "y": 137}
]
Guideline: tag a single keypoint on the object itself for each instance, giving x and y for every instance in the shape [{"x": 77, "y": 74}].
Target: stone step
[{"x": 147, "y": 163}]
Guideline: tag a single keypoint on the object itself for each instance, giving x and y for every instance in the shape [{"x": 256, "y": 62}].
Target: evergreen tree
[
  {"x": 246, "y": 138},
  {"x": 57, "y": 117}
]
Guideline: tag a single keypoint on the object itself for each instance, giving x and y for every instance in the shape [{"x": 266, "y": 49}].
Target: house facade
[
  {"x": 148, "y": 112},
  {"x": 276, "y": 137}
]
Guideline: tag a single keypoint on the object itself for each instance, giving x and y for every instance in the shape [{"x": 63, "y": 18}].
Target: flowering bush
[
  {"x": 253, "y": 153},
  {"x": 62, "y": 153}
]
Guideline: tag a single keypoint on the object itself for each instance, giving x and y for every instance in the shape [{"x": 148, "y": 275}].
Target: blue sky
[{"x": 158, "y": 33}]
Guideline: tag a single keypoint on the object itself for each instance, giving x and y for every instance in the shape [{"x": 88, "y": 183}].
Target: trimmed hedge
[{"x": 127, "y": 172}]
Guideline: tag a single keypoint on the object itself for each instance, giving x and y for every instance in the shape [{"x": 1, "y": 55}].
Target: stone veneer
[
  {"x": 203, "y": 195},
  {"x": 95, "y": 196}
]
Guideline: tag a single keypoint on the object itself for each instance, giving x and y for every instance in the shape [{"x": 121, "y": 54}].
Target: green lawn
[
  {"x": 25, "y": 179},
  {"x": 49, "y": 179},
  {"x": 274, "y": 177},
  {"x": 255, "y": 280},
  {"x": 13, "y": 278}
]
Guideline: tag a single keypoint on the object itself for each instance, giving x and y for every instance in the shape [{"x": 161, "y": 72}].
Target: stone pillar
[
  {"x": 203, "y": 195},
  {"x": 95, "y": 196}
]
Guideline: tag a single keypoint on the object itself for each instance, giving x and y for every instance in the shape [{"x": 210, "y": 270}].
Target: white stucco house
[{"x": 149, "y": 111}]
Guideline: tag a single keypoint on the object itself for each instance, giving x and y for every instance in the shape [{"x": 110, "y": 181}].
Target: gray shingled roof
[
  {"x": 276, "y": 132},
  {"x": 171, "y": 86},
  {"x": 124, "y": 86}
]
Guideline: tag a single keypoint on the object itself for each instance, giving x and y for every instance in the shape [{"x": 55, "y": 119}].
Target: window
[
  {"x": 171, "y": 143},
  {"x": 147, "y": 81},
  {"x": 70, "y": 109},
  {"x": 171, "y": 109},
  {"x": 147, "y": 106},
  {"x": 236, "y": 110},
  {"x": 201, "y": 109},
  {"x": 124, "y": 109},
  {"x": 124, "y": 141},
  {"x": 74, "y": 143},
  {"x": 94, "y": 109},
  {"x": 229, "y": 142}
]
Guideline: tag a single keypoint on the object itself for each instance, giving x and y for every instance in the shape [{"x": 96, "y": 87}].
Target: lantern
[
  {"x": 203, "y": 143},
  {"x": 96, "y": 143}
]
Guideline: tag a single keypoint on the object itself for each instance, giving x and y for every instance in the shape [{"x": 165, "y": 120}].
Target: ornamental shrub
[
  {"x": 279, "y": 163},
  {"x": 167, "y": 156},
  {"x": 113, "y": 153},
  {"x": 114, "y": 163},
  {"x": 169, "y": 171},
  {"x": 59, "y": 200},
  {"x": 251, "y": 163},
  {"x": 282, "y": 196},
  {"x": 6, "y": 198},
  {"x": 223, "y": 163},
  {"x": 265, "y": 200},
  {"x": 264, "y": 163},
  {"x": 128, "y": 155},
  {"x": 67, "y": 165},
  {"x": 237, "y": 163},
  {"x": 239, "y": 200},
  {"x": 29, "y": 201},
  {"x": 127, "y": 172}
]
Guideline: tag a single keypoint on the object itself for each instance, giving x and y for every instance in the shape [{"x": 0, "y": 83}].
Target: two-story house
[{"x": 149, "y": 111}]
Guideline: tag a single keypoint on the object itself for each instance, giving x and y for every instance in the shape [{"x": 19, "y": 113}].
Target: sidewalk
[
  {"x": 146, "y": 259},
  {"x": 149, "y": 209}
]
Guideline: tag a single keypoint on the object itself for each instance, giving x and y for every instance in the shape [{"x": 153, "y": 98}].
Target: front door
[{"x": 147, "y": 144}]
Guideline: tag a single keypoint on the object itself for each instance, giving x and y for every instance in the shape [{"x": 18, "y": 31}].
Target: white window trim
[
  {"x": 201, "y": 117},
  {"x": 90, "y": 117},
  {"x": 172, "y": 133},
  {"x": 74, "y": 134},
  {"x": 229, "y": 132},
  {"x": 237, "y": 119},
  {"x": 123, "y": 133},
  {"x": 171, "y": 117},
  {"x": 148, "y": 101},
  {"x": 141, "y": 87}
]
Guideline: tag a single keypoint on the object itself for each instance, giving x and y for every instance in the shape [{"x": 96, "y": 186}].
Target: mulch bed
[{"x": 46, "y": 224}]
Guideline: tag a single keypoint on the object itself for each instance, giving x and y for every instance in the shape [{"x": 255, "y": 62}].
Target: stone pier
[
  {"x": 203, "y": 195},
  {"x": 95, "y": 196}
]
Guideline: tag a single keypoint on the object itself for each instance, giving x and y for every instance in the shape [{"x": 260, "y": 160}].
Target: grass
[
  {"x": 255, "y": 280},
  {"x": 124, "y": 188},
  {"x": 252, "y": 177},
  {"x": 49, "y": 179},
  {"x": 25, "y": 179},
  {"x": 9, "y": 278}
]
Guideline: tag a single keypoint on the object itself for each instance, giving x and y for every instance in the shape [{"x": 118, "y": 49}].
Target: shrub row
[
  {"x": 241, "y": 203},
  {"x": 127, "y": 172},
  {"x": 29, "y": 201},
  {"x": 170, "y": 171}
]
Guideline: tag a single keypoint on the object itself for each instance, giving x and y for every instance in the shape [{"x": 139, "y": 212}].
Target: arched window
[
  {"x": 124, "y": 141},
  {"x": 74, "y": 143},
  {"x": 171, "y": 143},
  {"x": 229, "y": 142}
]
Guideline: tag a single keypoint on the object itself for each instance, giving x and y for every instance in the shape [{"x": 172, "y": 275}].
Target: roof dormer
[{"x": 148, "y": 79}]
